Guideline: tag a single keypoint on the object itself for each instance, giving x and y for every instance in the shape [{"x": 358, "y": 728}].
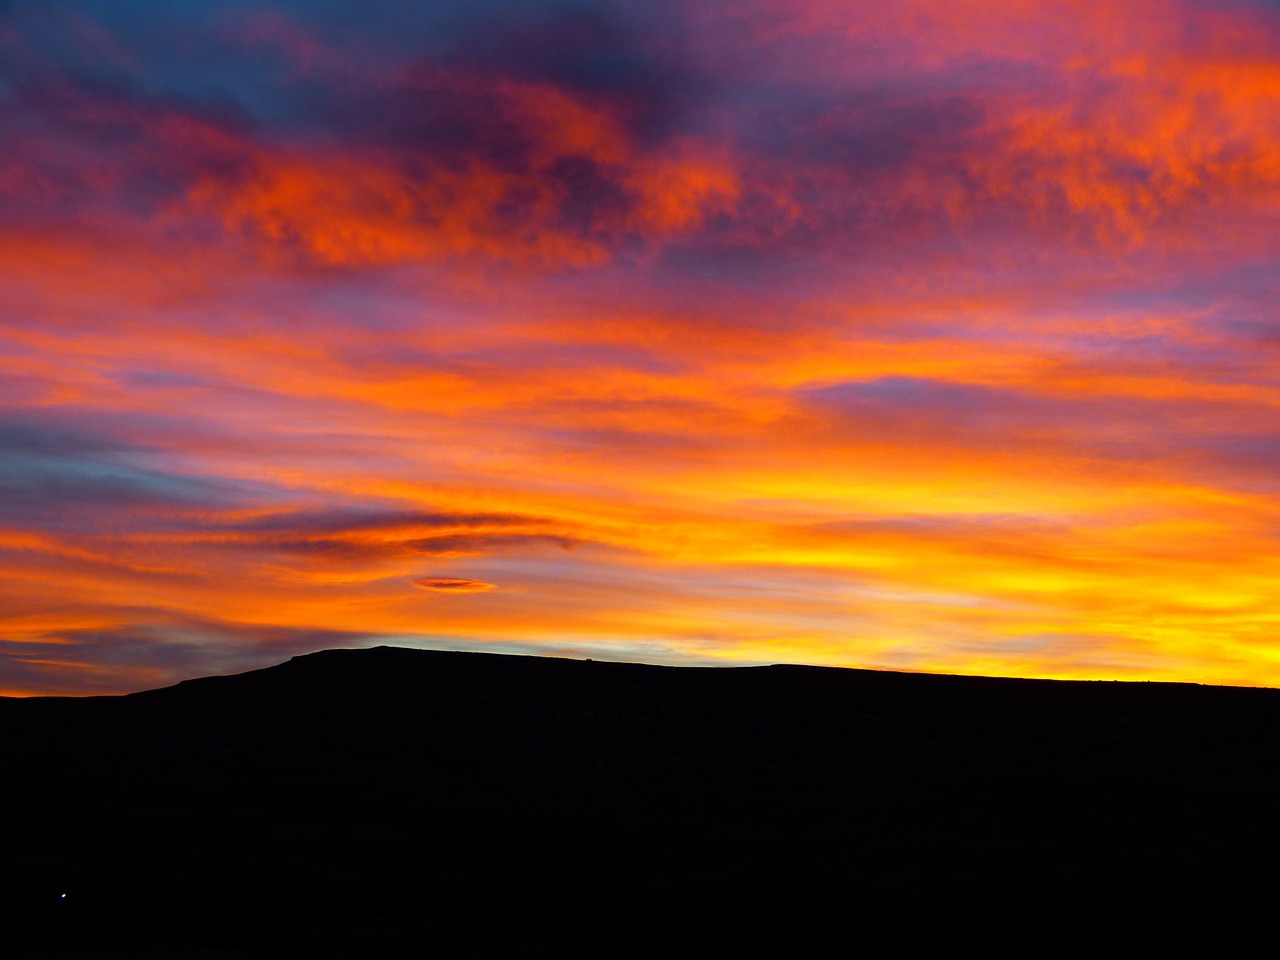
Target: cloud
[
  {"x": 465, "y": 154},
  {"x": 453, "y": 585},
  {"x": 506, "y": 170},
  {"x": 360, "y": 536},
  {"x": 367, "y": 520},
  {"x": 55, "y": 477}
]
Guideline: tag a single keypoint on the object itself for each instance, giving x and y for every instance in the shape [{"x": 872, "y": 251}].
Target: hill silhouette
[{"x": 397, "y": 803}]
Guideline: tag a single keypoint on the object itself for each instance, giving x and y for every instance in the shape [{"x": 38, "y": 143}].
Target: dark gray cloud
[
  {"x": 355, "y": 549},
  {"x": 367, "y": 520},
  {"x": 866, "y": 134},
  {"x": 902, "y": 401},
  {"x": 635, "y": 56},
  {"x": 355, "y": 534},
  {"x": 979, "y": 416},
  {"x": 265, "y": 62},
  {"x": 55, "y": 477},
  {"x": 1251, "y": 460},
  {"x": 453, "y": 585}
]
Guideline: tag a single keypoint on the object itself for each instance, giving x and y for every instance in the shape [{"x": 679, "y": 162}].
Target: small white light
[{"x": 62, "y": 896}]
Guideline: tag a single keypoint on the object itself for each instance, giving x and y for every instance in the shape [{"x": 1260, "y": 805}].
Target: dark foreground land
[{"x": 398, "y": 803}]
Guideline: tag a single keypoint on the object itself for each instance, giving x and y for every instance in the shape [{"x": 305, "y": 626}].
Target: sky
[{"x": 923, "y": 335}]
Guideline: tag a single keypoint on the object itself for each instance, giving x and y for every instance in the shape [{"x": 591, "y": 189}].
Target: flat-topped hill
[{"x": 392, "y": 802}]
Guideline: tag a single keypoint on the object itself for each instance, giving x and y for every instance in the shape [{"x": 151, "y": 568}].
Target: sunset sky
[{"x": 926, "y": 334}]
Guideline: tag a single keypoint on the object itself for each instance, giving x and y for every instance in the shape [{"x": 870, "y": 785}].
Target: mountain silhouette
[{"x": 401, "y": 803}]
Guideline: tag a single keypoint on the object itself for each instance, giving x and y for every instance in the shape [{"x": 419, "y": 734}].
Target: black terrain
[{"x": 402, "y": 803}]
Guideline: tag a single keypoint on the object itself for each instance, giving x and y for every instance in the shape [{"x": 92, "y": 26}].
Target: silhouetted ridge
[{"x": 497, "y": 801}]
